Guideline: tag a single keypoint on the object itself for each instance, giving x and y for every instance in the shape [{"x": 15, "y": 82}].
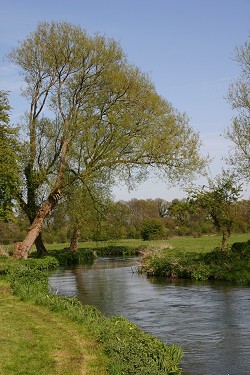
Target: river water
[{"x": 210, "y": 321}]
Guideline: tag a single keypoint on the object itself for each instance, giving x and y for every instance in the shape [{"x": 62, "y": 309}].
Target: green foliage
[
  {"x": 9, "y": 170},
  {"x": 152, "y": 229},
  {"x": 66, "y": 257},
  {"x": 232, "y": 265},
  {"x": 14, "y": 230},
  {"x": 105, "y": 119},
  {"x": 117, "y": 250},
  {"x": 130, "y": 350},
  {"x": 239, "y": 132},
  {"x": 217, "y": 200}
]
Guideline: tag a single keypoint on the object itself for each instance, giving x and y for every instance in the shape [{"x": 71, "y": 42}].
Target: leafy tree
[
  {"x": 141, "y": 209},
  {"x": 242, "y": 214},
  {"x": 152, "y": 229},
  {"x": 9, "y": 169},
  {"x": 239, "y": 98},
  {"x": 86, "y": 206},
  {"x": 91, "y": 112},
  {"x": 217, "y": 200}
]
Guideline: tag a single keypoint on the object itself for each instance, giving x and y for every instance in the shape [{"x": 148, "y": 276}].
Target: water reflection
[{"x": 210, "y": 321}]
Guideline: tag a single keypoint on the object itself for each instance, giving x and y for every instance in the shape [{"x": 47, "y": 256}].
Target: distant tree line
[{"x": 138, "y": 218}]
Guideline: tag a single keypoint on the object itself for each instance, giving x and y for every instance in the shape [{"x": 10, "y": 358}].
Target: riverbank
[
  {"x": 37, "y": 324},
  {"x": 37, "y": 341},
  {"x": 232, "y": 264}
]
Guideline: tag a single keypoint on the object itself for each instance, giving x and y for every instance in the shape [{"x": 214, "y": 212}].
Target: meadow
[{"x": 201, "y": 244}]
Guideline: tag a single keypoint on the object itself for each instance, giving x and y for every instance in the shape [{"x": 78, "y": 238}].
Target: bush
[
  {"x": 152, "y": 229},
  {"x": 66, "y": 257},
  {"x": 117, "y": 251},
  {"x": 242, "y": 248}
]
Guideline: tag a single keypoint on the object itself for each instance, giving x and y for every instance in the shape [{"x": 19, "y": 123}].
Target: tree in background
[
  {"x": 86, "y": 206},
  {"x": 140, "y": 210},
  {"x": 217, "y": 200},
  {"x": 91, "y": 112},
  {"x": 239, "y": 98},
  {"x": 9, "y": 168},
  {"x": 152, "y": 229}
]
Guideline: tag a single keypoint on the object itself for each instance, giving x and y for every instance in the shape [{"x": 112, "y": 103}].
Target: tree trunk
[
  {"x": 74, "y": 240},
  {"x": 225, "y": 236},
  {"x": 40, "y": 248},
  {"x": 22, "y": 249}
]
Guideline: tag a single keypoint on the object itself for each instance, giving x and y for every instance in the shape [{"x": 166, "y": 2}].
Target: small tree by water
[{"x": 217, "y": 199}]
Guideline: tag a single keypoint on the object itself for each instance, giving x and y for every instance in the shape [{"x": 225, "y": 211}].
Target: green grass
[
  {"x": 37, "y": 341},
  {"x": 132, "y": 246},
  {"x": 201, "y": 244},
  {"x": 205, "y": 243}
]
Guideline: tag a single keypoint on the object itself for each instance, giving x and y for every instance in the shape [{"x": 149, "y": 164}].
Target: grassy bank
[
  {"x": 37, "y": 324},
  {"x": 231, "y": 265},
  {"x": 37, "y": 341}
]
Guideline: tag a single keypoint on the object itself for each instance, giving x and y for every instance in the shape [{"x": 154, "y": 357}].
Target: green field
[{"x": 201, "y": 244}]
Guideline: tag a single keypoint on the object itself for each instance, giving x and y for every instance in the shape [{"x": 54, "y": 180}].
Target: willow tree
[{"x": 91, "y": 112}]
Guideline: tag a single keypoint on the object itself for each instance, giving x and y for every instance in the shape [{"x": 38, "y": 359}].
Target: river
[{"x": 210, "y": 321}]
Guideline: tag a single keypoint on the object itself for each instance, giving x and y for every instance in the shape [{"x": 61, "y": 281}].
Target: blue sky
[{"x": 186, "y": 46}]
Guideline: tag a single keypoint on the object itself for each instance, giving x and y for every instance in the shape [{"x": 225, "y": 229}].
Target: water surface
[{"x": 210, "y": 321}]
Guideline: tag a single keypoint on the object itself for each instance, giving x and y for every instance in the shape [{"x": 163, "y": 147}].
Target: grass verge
[
  {"x": 37, "y": 341},
  {"x": 123, "y": 347}
]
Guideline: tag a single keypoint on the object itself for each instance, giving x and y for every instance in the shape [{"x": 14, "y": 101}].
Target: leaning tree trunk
[
  {"x": 22, "y": 249},
  {"x": 74, "y": 240}
]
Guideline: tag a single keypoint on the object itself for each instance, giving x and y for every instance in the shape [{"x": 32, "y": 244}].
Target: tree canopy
[
  {"x": 9, "y": 170},
  {"x": 217, "y": 200},
  {"x": 239, "y": 98},
  {"x": 92, "y": 113}
]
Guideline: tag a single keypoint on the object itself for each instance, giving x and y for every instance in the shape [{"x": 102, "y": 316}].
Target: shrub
[
  {"x": 152, "y": 229},
  {"x": 66, "y": 257},
  {"x": 114, "y": 250}
]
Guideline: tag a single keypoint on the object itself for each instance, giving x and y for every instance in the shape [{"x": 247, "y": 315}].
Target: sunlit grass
[
  {"x": 37, "y": 341},
  {"x": 201, "y": 244}
]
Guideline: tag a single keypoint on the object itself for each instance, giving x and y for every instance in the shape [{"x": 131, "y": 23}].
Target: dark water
[{"x": 210, "y": 321}]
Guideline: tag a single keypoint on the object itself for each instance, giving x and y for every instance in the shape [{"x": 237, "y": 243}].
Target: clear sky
[{"x": 186, "y": 46}]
